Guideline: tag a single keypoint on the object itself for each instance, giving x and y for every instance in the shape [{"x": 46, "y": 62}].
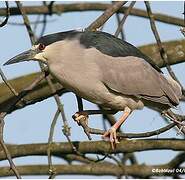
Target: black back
[{"x": 104, "y": 42}]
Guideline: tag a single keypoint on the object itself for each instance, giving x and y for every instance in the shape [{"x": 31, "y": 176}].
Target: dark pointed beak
[{"x": 25, "y": 56}]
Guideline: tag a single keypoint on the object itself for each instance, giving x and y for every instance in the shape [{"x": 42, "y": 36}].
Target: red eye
[{"x": 41, "y": 47}]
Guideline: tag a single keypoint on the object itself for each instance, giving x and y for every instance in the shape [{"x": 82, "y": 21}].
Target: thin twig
[
  {"x": 184, "y": 13},
  {"x": 127, "y": 12},
  {"x": 26, "y": 22},
  {"x": 23, "y": 93},
  {"x": 52, "y": 170},
  {"x": 44, "y": 21},
  {"x": 89, "y": 131},
  {"x": 83, "y": 7},
  {"x": 2, "y": 115},
  {"x": 105, "y": 16},
  {"x": 66, "y": 129},
  {"x": 159, "y": 43},
  {"x": 7, "y": 83},
  {"x": 121, "y": 30},
  {"x": 36, "y": 24},
  {"x": 5, "y": 149},
  {"x": 118, "y": 22},
  {"x": 43, "y": 25},
  {"x": 7, "y": 15}
]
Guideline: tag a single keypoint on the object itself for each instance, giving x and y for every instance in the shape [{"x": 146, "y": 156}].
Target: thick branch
[
  {"x": 41, "y": 92},
  {"x": 97, "y": 147},
  {"x": 76, "y": 7},
  {"x": 175, "y": 50},
  {"x": 97, "y": 169}
]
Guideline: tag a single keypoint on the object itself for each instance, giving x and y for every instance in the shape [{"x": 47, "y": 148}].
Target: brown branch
[
  {"x": 163, "y": 54},
  {"x": 5, "y": 149},
  {"x": 175, "y": 50},
  {"x": 177, "y": 160},
  {"x": 66, "y": 129},
  {"x": 26, "y": 22},
  {"x": 82, "y": 7},
  {"x": 98, "y": 169},
  {"x": 121, "y": 30},
  {"x": 94, "y": 147},
  {"x": 105, "y": 16},
  {"x": 7, "y": 83},
  {"x": 39, "y": 93},
  {"x": 88, "y": 131},
  {"x": 52, "y": 170},
  {"x": 7, "y": 15},
  {"x": 127, "y": 12}
]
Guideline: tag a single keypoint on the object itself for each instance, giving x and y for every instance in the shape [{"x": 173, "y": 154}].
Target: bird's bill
[{"x": 25, "y": 56}]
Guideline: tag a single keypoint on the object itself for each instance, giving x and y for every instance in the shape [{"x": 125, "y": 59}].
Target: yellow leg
[{"x": 112, "y": 131}]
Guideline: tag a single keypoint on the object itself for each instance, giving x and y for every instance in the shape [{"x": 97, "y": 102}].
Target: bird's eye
[{"x": 41, "y": 47}]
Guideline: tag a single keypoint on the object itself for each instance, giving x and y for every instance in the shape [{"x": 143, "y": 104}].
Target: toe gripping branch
[
  {"x": 82, "y": 116},
  {"x": 82, "y": 120}
]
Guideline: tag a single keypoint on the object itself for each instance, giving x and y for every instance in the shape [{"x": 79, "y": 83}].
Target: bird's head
[
  {"x": 36, "y": 53},
  {"x": 44, "y": 46}
]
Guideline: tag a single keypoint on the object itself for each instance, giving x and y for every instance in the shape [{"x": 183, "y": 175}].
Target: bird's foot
[
  {"x": 79, "y": 116},
  {"x": 111, "y": 135}
]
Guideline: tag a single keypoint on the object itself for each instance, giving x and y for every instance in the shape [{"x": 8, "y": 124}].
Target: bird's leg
[
  {"x": 85, "y": 114},
  {"x": 80, "y": 115},
  {"x": 112, "y": 131}
]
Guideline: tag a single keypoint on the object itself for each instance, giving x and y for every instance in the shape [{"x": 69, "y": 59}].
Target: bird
[{"x": 107, "y": 71}]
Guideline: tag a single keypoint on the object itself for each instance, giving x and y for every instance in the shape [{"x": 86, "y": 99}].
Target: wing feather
[{"x": 134, "y": 76}]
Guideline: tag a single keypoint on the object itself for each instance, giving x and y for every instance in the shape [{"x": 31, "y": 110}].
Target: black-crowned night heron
[{"x": 106, "y": 71}]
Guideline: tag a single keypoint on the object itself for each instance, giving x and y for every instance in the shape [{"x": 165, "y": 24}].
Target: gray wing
[
  {"x": 134, "y": 76},
  {"x": 112, "y": 46}
]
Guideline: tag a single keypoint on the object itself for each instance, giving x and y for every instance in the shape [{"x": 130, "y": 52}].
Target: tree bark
[{"x": 94, "y": 147}]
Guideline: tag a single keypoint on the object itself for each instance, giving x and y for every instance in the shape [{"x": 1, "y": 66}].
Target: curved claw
[{"x": 112, "y": 137}]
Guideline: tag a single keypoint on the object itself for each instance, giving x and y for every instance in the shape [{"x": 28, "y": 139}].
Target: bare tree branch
[
  {"x": 162, "y": 51},
  {"x": 5, "y": 149},
  {"x": 98, "y": 169},
  {"x": 7, "y": 15},
  {"x": 82, "y": 7},
  {"x": 127, "y": 12},
  {"x": 105, "y": 16},
  {"x": 96, "y": 157},
  {"x": 97, "y": 147},
  {"x": 66, "y": 129}
]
